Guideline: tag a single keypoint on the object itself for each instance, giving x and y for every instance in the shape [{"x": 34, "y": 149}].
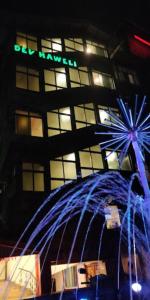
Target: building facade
[{"x": 58, "y": 81}]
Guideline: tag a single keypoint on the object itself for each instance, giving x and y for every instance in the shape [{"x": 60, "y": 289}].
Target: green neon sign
[{"x": 46, "y": 56}]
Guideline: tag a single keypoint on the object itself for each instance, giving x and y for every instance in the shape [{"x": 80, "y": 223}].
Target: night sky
[{"x": 99, "y": 13}]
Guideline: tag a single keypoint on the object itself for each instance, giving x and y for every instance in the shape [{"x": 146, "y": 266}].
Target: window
[
  {"x": 84, "y": 115},
  {"x": 26, "y": 40},
  {"x": 28, "y": 123},
  {"x": 102, "y": 79},
  {"x": 113, "y": 162},
  {"x": 55, "y": 79},
  {"x": 95, "y": 48},
  {"x": 51, "y": 45},
  {"x": 79, "y": 77},
  {"x": 90, "y": 160},
  {"x": 103, "y": 113},
  {"x": 62, "y": 169},
  {"x": 33, "y": 177},
  {"x": 73, "y": 44},
  {"x": 59, "y": 121},
  {"x": 125, "y": 75},
  {"x": 27, "y": 78}
]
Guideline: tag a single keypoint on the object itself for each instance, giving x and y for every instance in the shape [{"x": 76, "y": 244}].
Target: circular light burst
[{"x": 126, "y": 129}]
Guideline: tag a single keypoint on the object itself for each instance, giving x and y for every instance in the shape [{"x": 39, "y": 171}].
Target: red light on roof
[{"x": 142, "y": 40}]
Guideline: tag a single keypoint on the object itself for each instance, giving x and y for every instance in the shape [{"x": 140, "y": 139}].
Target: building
[{"x": 58, "y": 81}]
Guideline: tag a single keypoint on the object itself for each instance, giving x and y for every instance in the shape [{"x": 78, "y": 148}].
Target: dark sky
[{"x": 98, "y": 12}]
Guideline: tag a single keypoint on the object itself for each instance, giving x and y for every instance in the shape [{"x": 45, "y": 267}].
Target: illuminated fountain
[{"x": 93, "y": 195}]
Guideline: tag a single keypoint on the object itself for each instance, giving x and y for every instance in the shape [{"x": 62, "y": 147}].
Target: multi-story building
[{"x": 58, "y": 81}]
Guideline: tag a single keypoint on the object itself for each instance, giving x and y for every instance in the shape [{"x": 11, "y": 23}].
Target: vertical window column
[
  {"x": 84, "y": 115},
  {"x": 27, "y": 78},
  {"x": 62, "y": 169},
  {"x": 55, "y": 79},
  {"x": 32, "y": 177},
  {"x": 28, "y": 123},
  {"x": 90, "y": 160},
  {"x": 59, "y": 121}
]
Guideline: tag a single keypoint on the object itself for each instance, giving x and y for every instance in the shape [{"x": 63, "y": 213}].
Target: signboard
[{"x": 46, "y": 56}]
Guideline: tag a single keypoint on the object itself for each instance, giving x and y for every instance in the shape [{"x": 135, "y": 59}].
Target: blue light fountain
[{"x": 92, "y": 194}]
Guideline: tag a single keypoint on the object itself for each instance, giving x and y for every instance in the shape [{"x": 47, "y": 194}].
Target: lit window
[
  {"x": 26, "y": 40},
  {"x": 51, "y": 45},
  {"x": 102, "y": 79},
  {"x": 79, "y": 77},
  {"x": 113, "y": 162},
  {"x": 95, "y": 48},
  {"x": 73, "y": 44},
  {"x": 59, "y": 121},
  {"x": 62, "y": 169},
  {"x": 104, "y": 113},
  {"x": 84, "y": 115},
  {"x": 33, "y": 177},
  {"x": 28, "y": 123},
  {"x": 27, "y": 78},
  {"x": 55, "y": 79},
  {"x": 90, "y": 160}
]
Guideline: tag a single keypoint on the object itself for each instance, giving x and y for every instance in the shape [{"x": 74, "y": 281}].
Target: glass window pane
[
  {"x": 21, "y": 80},
  {"x": 74, "y": 85},
  {"x": 70, "y": 170},
  {"x": 38, "y": 182},
  {"x": 49, "y": 88},
  {"x": 22, "y": 125},
  {"x": 85, "y": 159},
  {"x": 56, "y": 40},
  {"x": 98, "y": 79},
  {"x": 74, "y": 75},
  {"x": 52, "y": 132},
  {"x": 32, "y": 45},
  {"x": 78, "y": 47},
  {"x": 89, "y": 105},
  {"x": 112, "y": 160},
  {"x": 69, "y": 43},
  {"x": 90, "y": 116},
  {"x": 84, "y": 78},
  {"x": 86, "y": 172},
  {"x": 52, "y": 120},
  {"x": 80, "y": 125},
  {"x": 36, "y": 127},
  {"x": 57, "y": 47},
  {"x": 80, "y": 114},
  {"x": 27, "y": 181},
  {"x": 56, "y": 183},
  {"x": 33, "y": 83},
  {"x": 91, "y": 49},
  {"x": 70, "y": 156},
  {"x": 95, "y": 148},
  {"x": 126, "y": 165},
  {"x": 65, "y": 110},
  {"x": 49, "y": 77},
  {"x": 65, "y": 122},
  {"x": 104, "y": 116},
  {"x": 56, "y": 169},
  {"x": 97, "y": 161},
  {"x": 46, "y": 43},
  {"x": 61, "y": 80}
]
